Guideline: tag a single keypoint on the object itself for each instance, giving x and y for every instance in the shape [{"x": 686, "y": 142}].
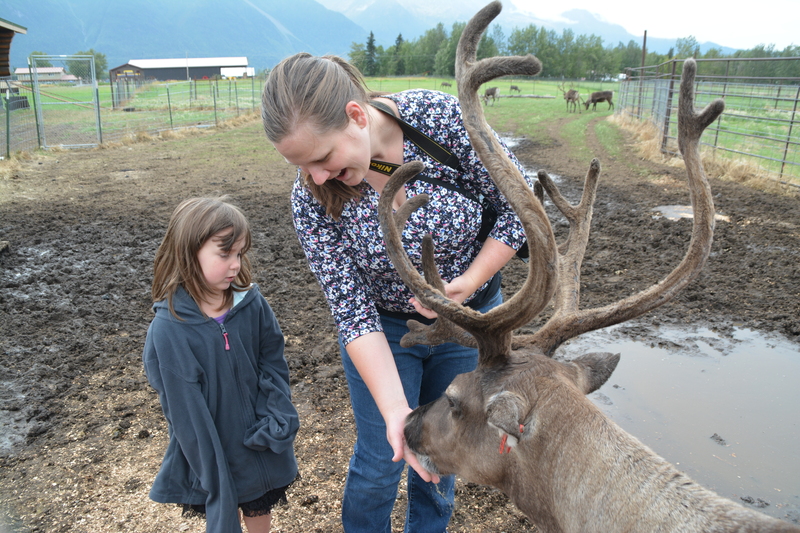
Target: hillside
[{"x": 264, "y": 31}]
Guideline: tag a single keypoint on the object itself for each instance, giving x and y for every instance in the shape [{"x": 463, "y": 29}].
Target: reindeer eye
[{"x": 455, "y": 407}]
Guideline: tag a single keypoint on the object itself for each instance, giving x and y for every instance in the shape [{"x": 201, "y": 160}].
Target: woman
[{"x": 318, "y": 115}]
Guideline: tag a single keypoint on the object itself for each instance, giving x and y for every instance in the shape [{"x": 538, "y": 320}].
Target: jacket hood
[{"x": 188, "y": 310}]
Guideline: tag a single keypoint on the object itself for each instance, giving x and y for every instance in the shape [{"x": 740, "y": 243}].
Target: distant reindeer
[
  {"x": 446, "y": 84},
  {"x": 572, "y": 98},
  {"x": 491, "y": 92},
  {"x": 514, "y": 88},
  {"x": 600, "y": 96},
  {"x": 521, "y": 421}
]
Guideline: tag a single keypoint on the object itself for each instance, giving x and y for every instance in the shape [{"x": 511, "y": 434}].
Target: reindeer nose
[{"x": 413, "y": 430}]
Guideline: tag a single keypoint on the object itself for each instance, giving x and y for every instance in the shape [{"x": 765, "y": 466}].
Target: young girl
[{"x": 214, "y": 353}]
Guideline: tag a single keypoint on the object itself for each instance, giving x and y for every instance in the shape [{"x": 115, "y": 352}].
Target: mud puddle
[{"x": 724, "y": 407}]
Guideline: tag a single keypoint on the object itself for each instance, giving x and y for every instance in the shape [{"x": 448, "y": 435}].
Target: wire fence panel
[
  {"x": 65, "y": 96},
  {"x": 17, "y": 119},
  {"x": 67, "y": 108},
  {"x": 761, "y": 122},
  {"x": 129, "y": 107}
]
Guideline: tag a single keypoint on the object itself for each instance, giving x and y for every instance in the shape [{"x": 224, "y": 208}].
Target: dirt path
[{"x": 85, "y": 432}]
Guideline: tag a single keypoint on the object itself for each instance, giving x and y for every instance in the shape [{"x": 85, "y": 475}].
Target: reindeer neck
[{"x": 582, "y": 472}]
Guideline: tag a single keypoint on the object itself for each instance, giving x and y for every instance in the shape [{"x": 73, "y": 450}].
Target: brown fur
[
  {"x": 491, "y": 92},
  {"x": 600, "y": 96},
  {"x": 569, "y": 468},
  {"x": 572, "y": 98},
  {"x": 514, "y": 88}
]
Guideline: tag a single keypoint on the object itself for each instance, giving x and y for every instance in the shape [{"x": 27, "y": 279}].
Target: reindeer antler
[
  {"x": 551, "y": 270},
  {"x": 567, "y": 321},
  {"x": 492, "y": 330}
]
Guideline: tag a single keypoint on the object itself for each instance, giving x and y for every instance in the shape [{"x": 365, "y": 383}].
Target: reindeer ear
[
  {"x": 594, "y": 369},
  {"x": 504, "y": 411}
]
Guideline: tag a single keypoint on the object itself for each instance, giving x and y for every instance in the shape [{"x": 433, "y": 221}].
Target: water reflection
[{"x": 725, "y": 409}]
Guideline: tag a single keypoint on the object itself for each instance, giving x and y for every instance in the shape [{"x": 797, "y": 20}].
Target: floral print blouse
[{"x": 348, "y": 256}]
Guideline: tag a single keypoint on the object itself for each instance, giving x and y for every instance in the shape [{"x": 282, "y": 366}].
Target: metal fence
[
  {"x": 761, "y": 122},
  {"x": 59, "y": 104},
  {"x": 17, "y": 120},
  {"x": 66, "y": 100},
  {"x": 129, "y": 107}
]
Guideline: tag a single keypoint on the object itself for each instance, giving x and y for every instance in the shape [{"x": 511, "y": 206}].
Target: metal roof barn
[{"x": 185, "y": 68}]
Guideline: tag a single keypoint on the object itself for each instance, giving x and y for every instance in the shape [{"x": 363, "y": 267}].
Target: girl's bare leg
[{"x": 258, "y": 524}]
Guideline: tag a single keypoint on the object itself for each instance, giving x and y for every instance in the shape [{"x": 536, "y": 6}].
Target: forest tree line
[{"x": 563, "y": 55}]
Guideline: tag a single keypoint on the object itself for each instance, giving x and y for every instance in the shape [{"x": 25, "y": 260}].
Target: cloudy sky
[
  {"x": 771, "y": 22},
  {"x": 725, "y": 23}
]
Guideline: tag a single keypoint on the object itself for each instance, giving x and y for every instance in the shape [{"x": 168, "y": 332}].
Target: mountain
[
  {"x": 265, "y": 31},
  {"x": 587, "y": 23},
  {"x": 386, "y": 18}
]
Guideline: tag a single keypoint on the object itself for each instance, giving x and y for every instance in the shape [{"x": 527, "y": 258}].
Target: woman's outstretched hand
[{"x": 395, "y": 423}]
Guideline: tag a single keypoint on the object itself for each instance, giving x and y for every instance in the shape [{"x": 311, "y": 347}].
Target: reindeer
[
  {"x": 446, "y": 84},
  {"x": 491, "y": 92},
  {"x": 599, "y": 96},
  {"x": 514, "y": 88},
  {"x": 521, "y": 421},
  {"x": 572, "y": 98}
]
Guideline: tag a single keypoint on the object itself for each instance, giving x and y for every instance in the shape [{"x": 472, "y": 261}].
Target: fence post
[
  {"x": 96, "y": 87},
  {"x": 668, "y": 110},
  {"x": 724, "y": 92},
  {"x": 236, "y": 95},
  {"x": 214, "y": 93},
  {"x": 7, "y": 106},
  {"x": 789, "y": 135},
  {"x": 169, "y": 106}
]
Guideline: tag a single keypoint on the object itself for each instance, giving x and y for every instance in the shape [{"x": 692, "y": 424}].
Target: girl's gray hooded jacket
[{"x": 224, "y": 389}]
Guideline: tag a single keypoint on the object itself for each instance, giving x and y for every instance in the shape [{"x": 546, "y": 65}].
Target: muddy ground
[{"x": 83, "y": 433}]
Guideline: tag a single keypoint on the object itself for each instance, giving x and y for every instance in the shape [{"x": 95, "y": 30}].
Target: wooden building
[{"x": 7, "y": 32}]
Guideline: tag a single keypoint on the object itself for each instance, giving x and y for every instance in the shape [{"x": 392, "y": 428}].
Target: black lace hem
[{"x": 259, "y": 507}]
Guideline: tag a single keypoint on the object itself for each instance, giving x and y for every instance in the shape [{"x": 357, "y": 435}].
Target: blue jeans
[{"x": 372, "y": 479}]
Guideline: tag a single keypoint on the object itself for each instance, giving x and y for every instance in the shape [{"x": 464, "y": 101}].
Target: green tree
[
  {"x": 445, "y": 60},
  {"x": 357, "y": 56},
  {"x": 522, "y": 41},
  {"x": 80, "y": 69},
  {"x": 422, "y": 55},
  {"x": 487, "y": 47},
  {"x": 399, "y": 62},
  {"x": 370, "y": 57},
  {"x": 687, "y": 47},
  {"x": 41, "y": 63},
  {"x": 499, "y": 39}
]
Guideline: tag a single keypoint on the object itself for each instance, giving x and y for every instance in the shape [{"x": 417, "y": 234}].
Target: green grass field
[{"x": 757, "y": 121}]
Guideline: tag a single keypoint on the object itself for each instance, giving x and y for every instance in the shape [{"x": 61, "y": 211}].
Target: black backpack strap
[
  {"x": 425, "y": 143},
  {"x": 443, "y": 156}
]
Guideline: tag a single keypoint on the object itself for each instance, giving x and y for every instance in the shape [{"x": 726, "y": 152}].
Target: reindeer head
[
  {"x": 518, "y": 395},
  {"x": 485, "y": 415}
]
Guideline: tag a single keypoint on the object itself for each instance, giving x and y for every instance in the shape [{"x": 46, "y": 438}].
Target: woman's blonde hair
[
  {"x": 193, "y": 222},
  {"x": 313, "y": 91}
]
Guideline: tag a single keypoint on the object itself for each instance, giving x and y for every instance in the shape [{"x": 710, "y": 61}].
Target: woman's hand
[
  {"x": 457, "y": 290},
  {"x": 395, "y": 424},
  {"x": 492, "y": 257}
]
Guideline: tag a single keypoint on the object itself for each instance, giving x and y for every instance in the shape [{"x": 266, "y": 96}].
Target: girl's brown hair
[
  {"x": 192, "y": 223},
  {"x": 309, "y": 90}
]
